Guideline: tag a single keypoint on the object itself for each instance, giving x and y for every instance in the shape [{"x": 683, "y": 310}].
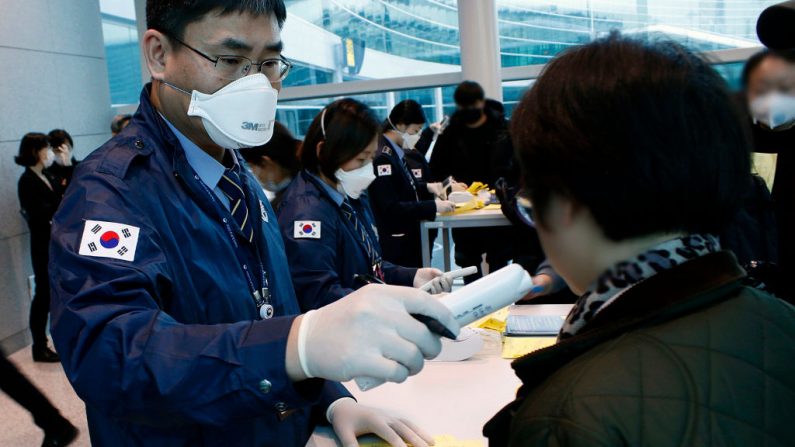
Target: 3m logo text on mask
[{"x": 256, "y": 127}]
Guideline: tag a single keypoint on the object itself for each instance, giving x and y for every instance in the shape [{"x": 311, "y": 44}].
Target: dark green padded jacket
[{"x": 689, "y": 357}]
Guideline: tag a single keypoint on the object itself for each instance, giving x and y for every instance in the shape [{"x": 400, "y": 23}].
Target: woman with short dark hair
[
  {"x": 39, "y": 196},
  {"x": 64, "y": 166},
  {"x": 633, "y": 157},
  {"x": 275, "y": 163},
  {"x": 328, "y": 228}
]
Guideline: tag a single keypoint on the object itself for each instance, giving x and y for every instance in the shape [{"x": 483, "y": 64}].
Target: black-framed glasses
[
  {"x": 233, "y": 67},
  {"x": 524, "y": 209}
]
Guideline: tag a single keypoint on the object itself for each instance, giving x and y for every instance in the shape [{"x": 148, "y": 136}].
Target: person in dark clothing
[
  {"x": 275, "y": 164},
  {"x": 57, "y": 430},
  {"x": 401, "y": 195},
  {"x": 665, "y": 344},
  {"x": 475, "y": 147},
  {"x": 768, "y": 81},
  {"x": 40, "y": 194},
  {"x": 64, "y": 163}
]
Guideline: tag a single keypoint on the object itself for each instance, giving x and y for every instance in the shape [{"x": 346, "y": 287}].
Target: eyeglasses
[
  {"x": 524, "y": 209},
  {"x": 235, "y": 67}
]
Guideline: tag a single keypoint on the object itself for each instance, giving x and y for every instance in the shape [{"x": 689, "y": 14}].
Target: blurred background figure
[
  {"x": 65, "y": 162},
  {"x": 119, "y": 122},
  {"x": 40, "y": 194},
  {"x": 275, "y": 163},
  {"x": 476, "y": 147}
]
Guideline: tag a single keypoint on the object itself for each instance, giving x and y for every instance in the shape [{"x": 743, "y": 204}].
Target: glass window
[
  {"x": 533, "y": 31},
  {"x": 436, "y": 102},
  {"x": 122, "y": 54},
  {"x": 348, "y": 40}
]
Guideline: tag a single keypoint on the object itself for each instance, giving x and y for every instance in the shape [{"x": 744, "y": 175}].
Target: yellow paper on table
[
  {"x": 476, "y": 187},
  {"x": 493, "y": 206},
  {"x": 440, "y": 441},
  {"x": 496, "y": 321},
  {"x": 461, "y": 208},
  {"x": 515, "y": 347}
]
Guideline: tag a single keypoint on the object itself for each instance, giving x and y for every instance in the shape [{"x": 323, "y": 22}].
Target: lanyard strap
[{"x": 261, "y": 295}]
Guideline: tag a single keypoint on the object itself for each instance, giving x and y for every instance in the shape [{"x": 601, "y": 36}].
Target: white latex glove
[
  {"x": 444, "y": 206},
  {"x": 435, "y": 188},
  {"x": 351, "y": 419},
  {"x": 440, "y": 282},
  {"x": 371, "y": 333}
]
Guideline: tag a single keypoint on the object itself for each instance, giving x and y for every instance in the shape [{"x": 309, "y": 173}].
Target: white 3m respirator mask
[
  {"x": 353, "y": 183},
  {"x": 774, "y": 110},
  {"x": 239, "y": 115}
]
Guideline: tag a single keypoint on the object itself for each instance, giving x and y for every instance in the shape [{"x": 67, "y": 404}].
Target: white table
[
  {"x": 471, "y": 219},
  {"x": 455, "y": 398}
]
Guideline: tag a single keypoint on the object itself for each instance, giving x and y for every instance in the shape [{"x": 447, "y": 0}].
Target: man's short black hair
[
  {"x": 468, "y": 93},
  {"x": 119, "y": 122},
  {"x": 59, "y": 137},
  {"x": 170, "y": 17},
  {"x": 754, "y": 61},
  {"x": 406, "y": 112},
  {"x": 643, "y": 134},
  {"x": 29, "y": 148},
  {"x": 350, "y": 126},
  {"x": 282, "y": 149}
]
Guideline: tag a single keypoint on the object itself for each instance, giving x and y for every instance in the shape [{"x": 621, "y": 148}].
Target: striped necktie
[{"x": 232, "y": 187}]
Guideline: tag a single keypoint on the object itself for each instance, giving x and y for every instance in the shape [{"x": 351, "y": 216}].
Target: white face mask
[
  {"x": 409, "y": 141},
  {"x": 49, "y": 158},
  {"x": 239, "y": 115},
  {"x": 774, "y": 110},
  {"x": 354, "y": 182}
]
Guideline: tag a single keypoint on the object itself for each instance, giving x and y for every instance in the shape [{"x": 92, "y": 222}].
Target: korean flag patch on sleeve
[
  {"x": 384, "y": 170},
  {"x": 109, "y": 240},
  {"x": 306, "y": 229}
]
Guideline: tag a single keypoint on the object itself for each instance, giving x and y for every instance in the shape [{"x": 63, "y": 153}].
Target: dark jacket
[
  {"x": 322, "y": 268},
  {"x": 63, "y": 173},
  {"x": 398, "y": 207},
  {"x": 689, "y": 357},
  {"x": 166, "y": 346},
  {"x": 481, "y": 154},
  {"x": 38, "y": 202}
]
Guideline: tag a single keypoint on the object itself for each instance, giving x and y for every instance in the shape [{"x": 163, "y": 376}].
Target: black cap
[{"x": 775, "y": 26}]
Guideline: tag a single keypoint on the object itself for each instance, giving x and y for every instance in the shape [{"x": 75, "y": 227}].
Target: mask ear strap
[
  {"x": 393, "y": 126},
  {"x": 322, "y": 122}
]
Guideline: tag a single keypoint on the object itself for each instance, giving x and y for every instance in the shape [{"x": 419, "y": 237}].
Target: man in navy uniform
[{"x": 173, "y": 309}]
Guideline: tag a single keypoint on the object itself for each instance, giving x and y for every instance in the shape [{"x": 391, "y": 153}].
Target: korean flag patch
[
  {"x": 417, "y": 173},
  {"x": 109, "y": 240},
  {"x": 384, "y": 170},
  {"x": 306, "y": 229}
]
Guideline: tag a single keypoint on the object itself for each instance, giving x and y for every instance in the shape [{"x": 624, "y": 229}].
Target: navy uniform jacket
[
  {"x": 322, "y": 267},
  {"x": 167, "y": 349},
  {"x": 398, "y": 207}
]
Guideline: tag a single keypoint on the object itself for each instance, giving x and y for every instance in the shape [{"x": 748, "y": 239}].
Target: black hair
[
  {"x": 754, "y": 61},
  {"x": 468, "y": 93},
  {"x": 59, "y": 136},
  {"x": 350, "y": 127},
  {"x": 170, "y": 17},
  {"x": 655, "y": 147},
  {"x": 29, "y": 148},
  {"x": 406, "y": 112},
  {"x": 282, "y": 149},
  {"x": 118, "y": 123}
]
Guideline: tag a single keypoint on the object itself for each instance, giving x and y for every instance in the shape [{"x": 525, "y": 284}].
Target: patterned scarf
[{"x": 626, "y": 274}]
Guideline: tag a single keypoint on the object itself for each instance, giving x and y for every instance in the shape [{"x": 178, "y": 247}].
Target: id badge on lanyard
[{"x": 260, "y": 295}]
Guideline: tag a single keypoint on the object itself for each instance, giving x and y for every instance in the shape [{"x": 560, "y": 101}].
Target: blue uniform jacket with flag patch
[
  {"x": 166, "y": 348},
  {"x": 323, "y": 267}
]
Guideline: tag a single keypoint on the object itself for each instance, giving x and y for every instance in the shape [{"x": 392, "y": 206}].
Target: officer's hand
[
  {"x": 371, "y": 333},
  {"x": 439, "y": 282},
  {"x": 444, "y": 206},
  {"x": 351, "y": 419},
  {"x": 459, "y": 187},
  {"x": 435, "y": 188}
]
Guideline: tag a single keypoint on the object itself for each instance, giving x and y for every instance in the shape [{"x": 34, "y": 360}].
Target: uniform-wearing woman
[
  {"x": 40, "y": 194},
  {"x": 327, "y": 225},
  {"x": 401, "y": 194},
  {"x": 275, "y": 163},
  {"x": 628, "y": 175}
]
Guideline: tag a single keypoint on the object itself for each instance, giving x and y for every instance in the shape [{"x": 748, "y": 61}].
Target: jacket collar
[{"x": 694, "y": 285}]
